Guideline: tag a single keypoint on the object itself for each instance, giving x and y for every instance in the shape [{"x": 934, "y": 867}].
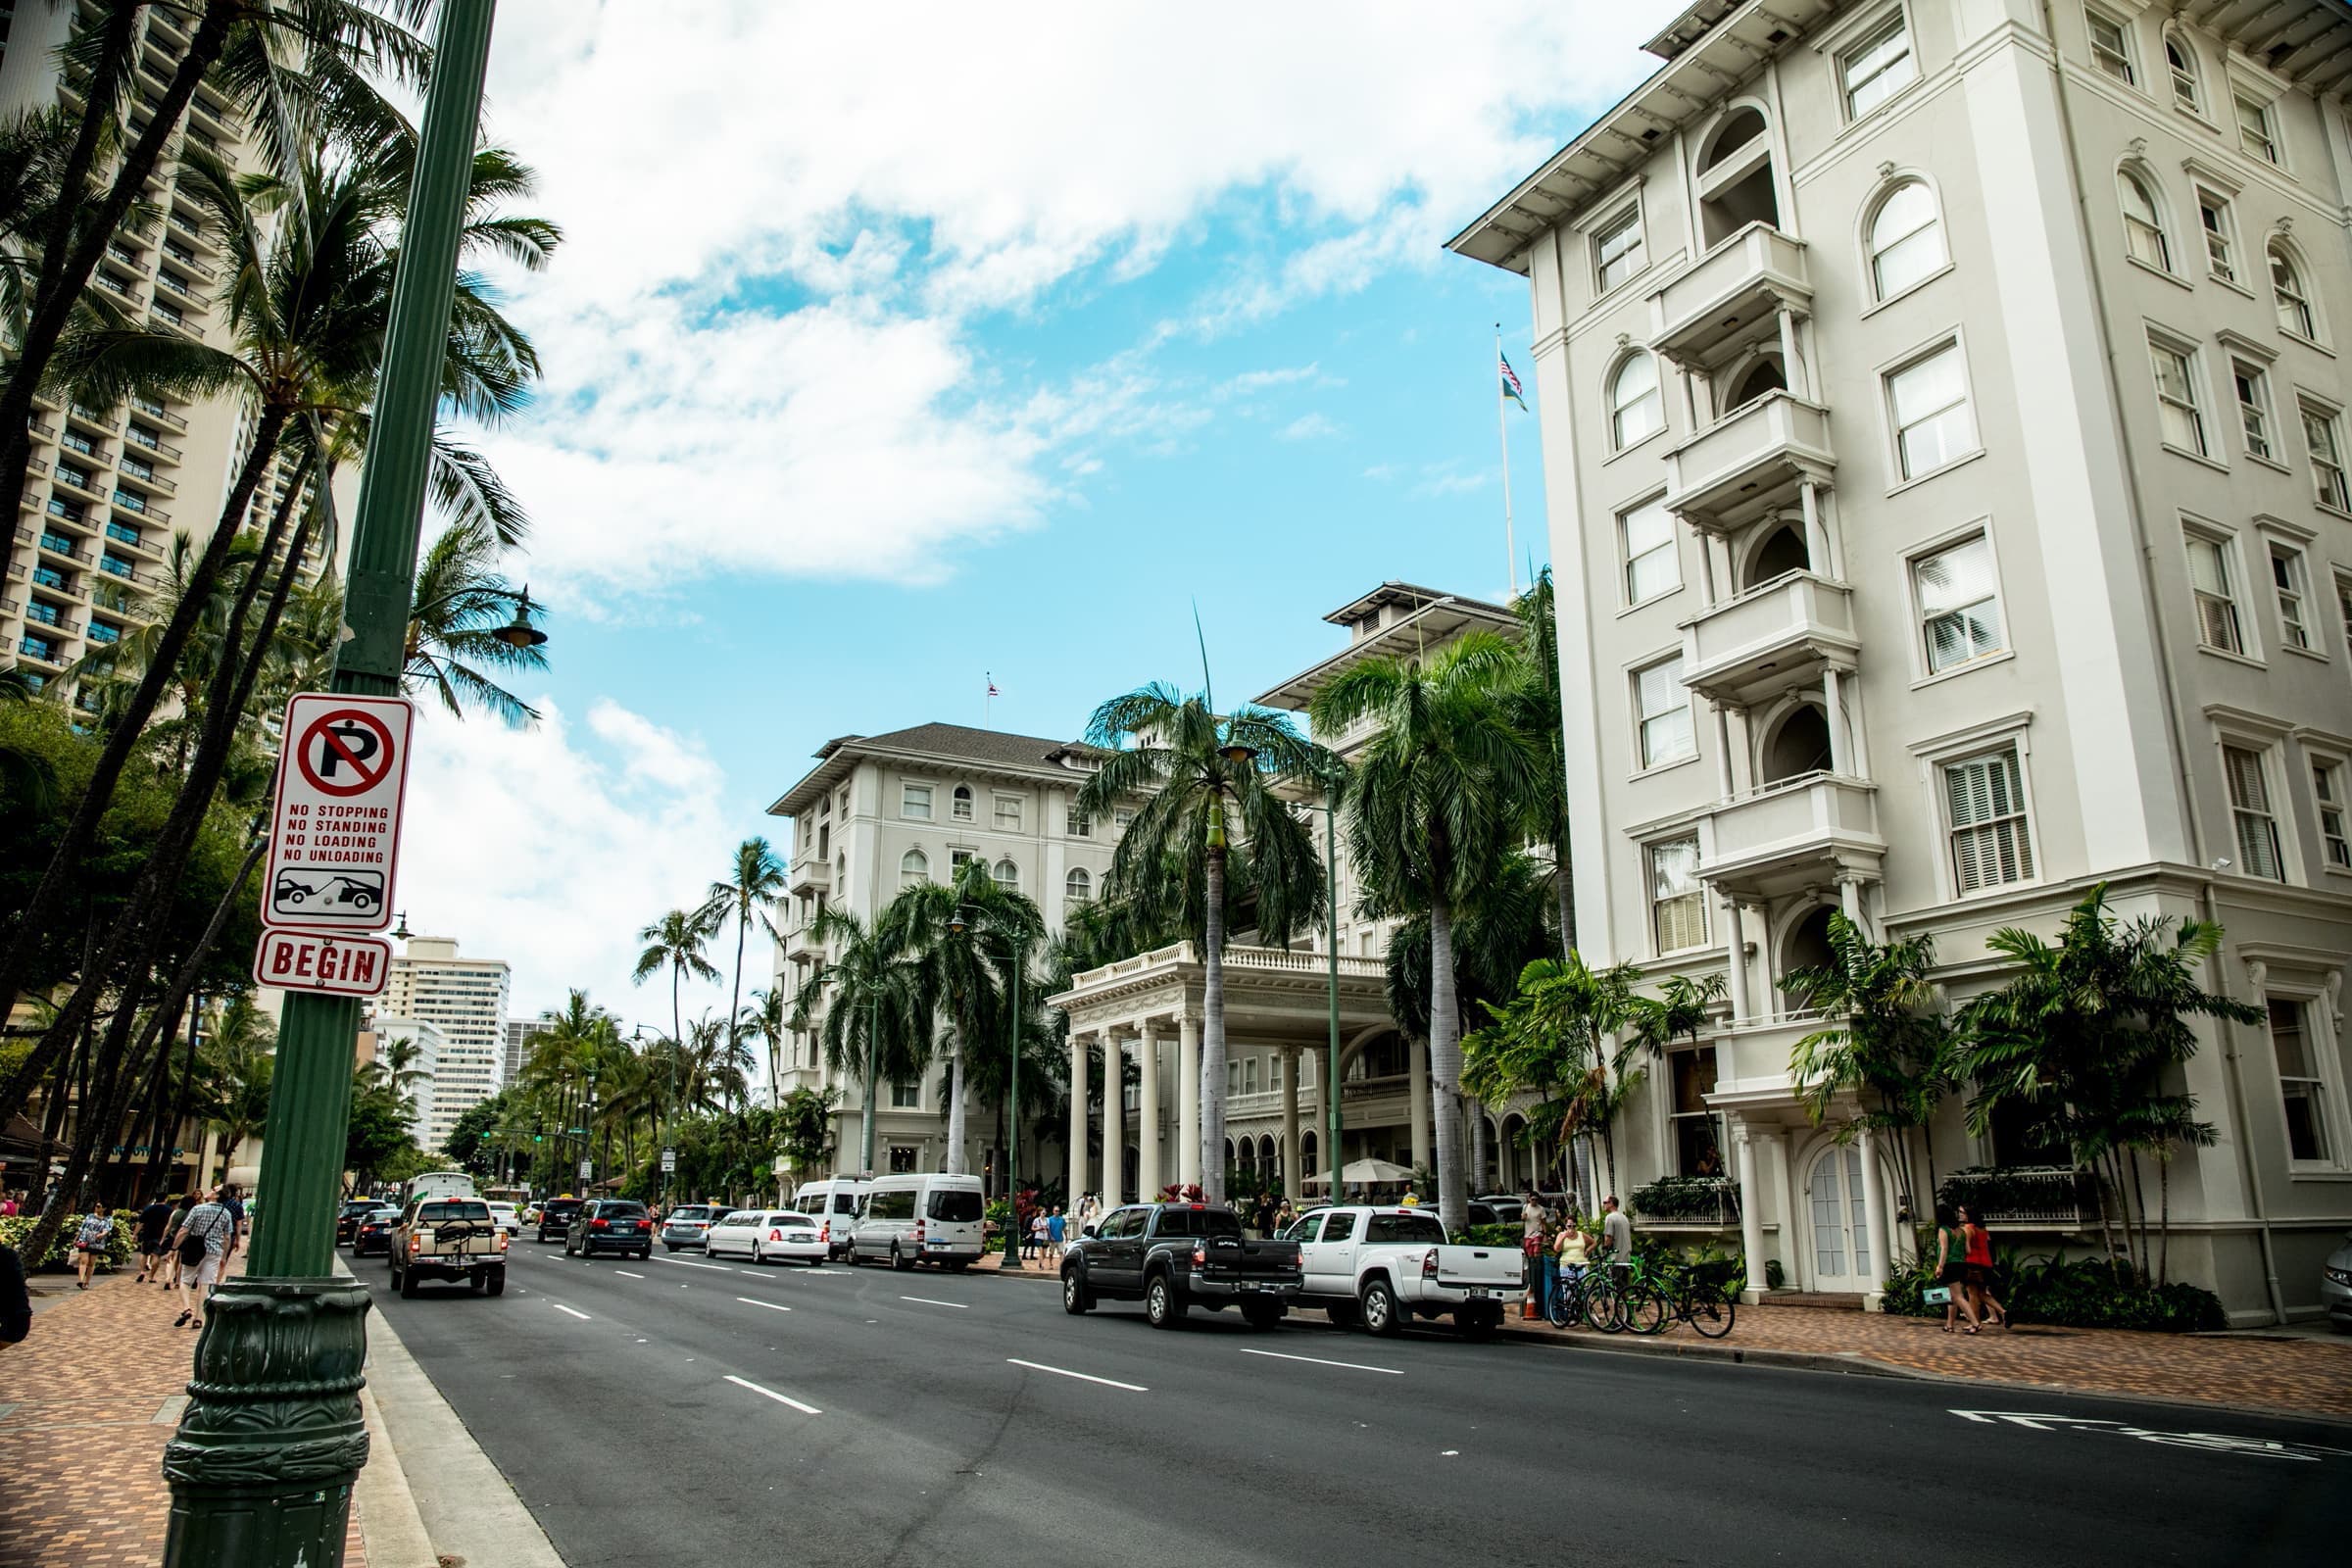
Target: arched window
[
  {"x": 1078, "y": 886},
  {"x": 915, "y": 868},
  {"x": 2143, "y": 225},
  {"x": 963, "y": 803},
  {"x": 2181, "y": 60},
  {"x": 1009, "y": 876},
  {"x": 1735, "y": 177},
  {"x": 1761, "y": 380},
  {"x": 1636, "y": 411},
  {"x": 1906, "y": 238},
  {"x": 2293, "y": 298}
]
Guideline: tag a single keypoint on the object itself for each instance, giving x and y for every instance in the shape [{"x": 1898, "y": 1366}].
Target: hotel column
[
  {"x": 1874, "y": 1216},
  {"x": 1114, "y": 1117},
  {"x": 1290, "y": 1126},
  {"x": 1751, "y": 1212},
  {"x": 1188, "y": 1099},
  {"x": 1148, "y": 1177},
  {"x": 1078, "y": 1055}
]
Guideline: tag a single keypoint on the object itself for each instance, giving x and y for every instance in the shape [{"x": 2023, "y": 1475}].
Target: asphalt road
[{"x": 676, "y": 1412}]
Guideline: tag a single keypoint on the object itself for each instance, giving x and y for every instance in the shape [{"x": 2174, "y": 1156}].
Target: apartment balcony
[
  {"x": 1730, "y": 298},
  {"x": 1808, "y": 832},
  {"x": 188, "y": 228},
  {"x": 1770, "y": 639},
  {"x": 168, "y": 317},
  {"x": 811, "y": 875},
  {"x": 2031, "y": 1197},
  {"x": 118, "y": 536},
  {"x": 43, "y": 656},
  {"x": 9, "y": 606},
  {"x": 40, "y": 429},
  {"x": 145, "y": 477},
  {"x": 119, "y": 287},
  {"x": 212, "y": 119},
  {"x": 181, "y": 291},
  {"x": 157, "y": 448},
  {"x": 94, "y": 420},
  {"x": 35, "y": 467},
  {"x": 126, "y": 258},
  {"x": 187, "y": 261},
  {"x": 155, "y": 411},
  {"x": 1750, "y": 462},
  {"x": 91, "y": 486}
]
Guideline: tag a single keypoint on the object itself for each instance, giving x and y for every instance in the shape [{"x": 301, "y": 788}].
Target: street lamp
[
  {"x": 401, "y": 930},
  {"x": 1012, "y": 1150},
  {"x": 520, "y": 634}
]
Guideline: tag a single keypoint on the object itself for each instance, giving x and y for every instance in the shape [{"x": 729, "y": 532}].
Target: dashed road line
[
  {"x": 772, "y": 1306},
  {"x": 1354, "y": 1366},
  {"x": 683, "y": 1264},
  {"x": 574, "y": 1312},
  {"x": 1083, "y": 1376},
  {"x": 960, "y": 1307},
  {"x": 627, "y": 1275},
  {"x": 780, "y": 1399}
]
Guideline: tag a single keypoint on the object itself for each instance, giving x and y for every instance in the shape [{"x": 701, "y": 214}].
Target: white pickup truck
[{"x": 1384, "y": 1266}]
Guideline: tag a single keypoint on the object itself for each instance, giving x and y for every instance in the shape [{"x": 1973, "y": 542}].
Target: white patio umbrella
[{"x": 1374, "y": 1170}]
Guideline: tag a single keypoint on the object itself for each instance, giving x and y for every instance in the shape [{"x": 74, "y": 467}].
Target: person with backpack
[
  {"x": 89, "y": 1242},
  {"x": 16, "y": 1303},
  {"x": 155, "y": 1223},
  {"x": 202, "y": 1244}
]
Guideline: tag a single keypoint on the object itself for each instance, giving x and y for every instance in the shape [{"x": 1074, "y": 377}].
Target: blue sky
[{"x": 872, "y": 374}]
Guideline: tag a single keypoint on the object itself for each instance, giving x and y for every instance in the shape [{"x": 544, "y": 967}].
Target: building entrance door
[{"x": 1842, "y": 1259}]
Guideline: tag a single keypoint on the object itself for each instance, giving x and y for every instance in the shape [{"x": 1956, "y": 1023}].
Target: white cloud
[
  {"x": 552, "y": 848},
  {"x": 787, "y": 224},
  {"x": 1308, "y": 427}
]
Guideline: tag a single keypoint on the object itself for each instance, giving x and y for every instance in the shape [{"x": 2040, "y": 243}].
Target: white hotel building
[{"x": 1944, "y": 412}]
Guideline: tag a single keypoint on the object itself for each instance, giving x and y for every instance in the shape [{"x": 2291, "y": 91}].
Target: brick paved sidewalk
[
  {"x": 86, "y": 1404},
  {"x": 2305, "y": 1375}
]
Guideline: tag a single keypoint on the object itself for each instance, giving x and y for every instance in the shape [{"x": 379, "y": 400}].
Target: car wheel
[
  {"x": 957, "y": 1265},
  {"x": 898, "y": 1261},
  {"x": 1162, "y": 1304},
  {"x": 497, "y": 1285},
  {"x": 1076, "y": 1298},
  {"x": 644, "y": 1253},
  {"x": 1382, "y": 1314},
  {"x": 474, "y": 1283},
  {"x": 1261, "y": 1314},
  {"x": 672, "y": 1245},
  {"x": 408, "y": 1283}
]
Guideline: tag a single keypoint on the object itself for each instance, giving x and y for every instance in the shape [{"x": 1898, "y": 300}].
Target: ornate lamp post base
[{"x": 263, "y": 1464}]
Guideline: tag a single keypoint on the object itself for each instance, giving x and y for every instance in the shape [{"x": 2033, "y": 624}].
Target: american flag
[
  {"x": 992, "y": 687},
  {"x": 1510, "y": 382}
]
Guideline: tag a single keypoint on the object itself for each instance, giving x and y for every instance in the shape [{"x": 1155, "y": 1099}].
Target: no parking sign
[{"x": 334, "y": 838}]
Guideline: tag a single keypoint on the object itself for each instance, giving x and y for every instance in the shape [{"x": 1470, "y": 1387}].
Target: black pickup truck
[{"x": 1171, "y": 1256}]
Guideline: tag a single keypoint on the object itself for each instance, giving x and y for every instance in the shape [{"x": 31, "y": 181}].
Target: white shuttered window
[
  {"x": 1991, "y": 843},
  {"x": 1676, "y": 898},
  {"x": 2256, "y": 827}
]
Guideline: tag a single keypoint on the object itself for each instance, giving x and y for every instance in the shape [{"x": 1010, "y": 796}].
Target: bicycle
[
  {"x": 1700, "y": 1295},
  {"x": 1634, "y": 1307}
]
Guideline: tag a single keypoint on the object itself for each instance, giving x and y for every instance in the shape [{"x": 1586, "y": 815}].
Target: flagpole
[
  {"x": 987, "y": 703},
  {"x": 1503, "y": 428}
]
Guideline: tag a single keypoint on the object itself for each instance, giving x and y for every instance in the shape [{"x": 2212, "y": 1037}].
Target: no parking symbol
[{"x": 334, "y": 840}]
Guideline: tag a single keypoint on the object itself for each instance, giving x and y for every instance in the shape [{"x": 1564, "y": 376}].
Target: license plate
[{"x": 1478, "y": 1293}]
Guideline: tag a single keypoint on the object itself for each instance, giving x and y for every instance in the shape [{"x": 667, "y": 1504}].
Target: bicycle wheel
[
  {"x": 1711, "y": 1313},
  {"x": 1566, "y": 1308},
  {"x": 1644, "y": 1310},
  {"x": 1600, "y": 1307}
]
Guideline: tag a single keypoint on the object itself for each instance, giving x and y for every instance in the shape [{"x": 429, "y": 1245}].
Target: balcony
[
  {"x": 136, "y": 506},
  {"x": 169, "y": 318},
  {"x": 1810, "y": 831},
  {"x": 1770, "y": 639},
  {"x": 126, "y": 258},
  {"x": 1687, "y": 1202},
  {"x": 179, "y": 289},
  {"x": 1730, "y": 298},
  {"x": 811, "y": 876},
  {"x": 57, "y": 544},
  {"x": 146, "y": 440},
  {"x": 79, "y": 483},
  {"x": 40, "y": 429},
  {"x": 186, "y": 260},
  {"x": 155, "y": 411},
  {"x": 102, "y": 422},
  {"x": 2040, "y": 1197},
  {"x": 1750, "y": 462},
  {"x": 132, "y": 539},
  {"x": 45, "y": 654}
]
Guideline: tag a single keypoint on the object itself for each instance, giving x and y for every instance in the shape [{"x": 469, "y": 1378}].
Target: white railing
[{"x": 1264, "y": 960}]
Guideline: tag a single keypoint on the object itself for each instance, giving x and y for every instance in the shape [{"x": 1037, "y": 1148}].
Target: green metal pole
[
  {"x": 874, "y": 1033},
  {"x": 1331, "y": 926},
  {"x": 1012, "y": 1143},
  {"x": 263, "y": 1463}
]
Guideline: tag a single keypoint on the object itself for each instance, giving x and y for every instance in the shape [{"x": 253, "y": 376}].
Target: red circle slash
[{"x": 368, "y": 773}]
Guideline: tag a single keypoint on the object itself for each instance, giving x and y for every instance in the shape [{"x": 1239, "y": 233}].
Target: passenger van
[
  {"x": 833, "y": 1205},
  {"x": 929, "y": 1218}
]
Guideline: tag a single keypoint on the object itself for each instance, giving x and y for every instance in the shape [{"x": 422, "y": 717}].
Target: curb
[{"x": 390, "y": 1526}]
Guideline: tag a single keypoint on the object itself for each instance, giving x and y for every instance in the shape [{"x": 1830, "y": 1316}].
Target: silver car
[
  {"x": 2335, "y": 1287},
  {"x": 688, "y": 1225}
]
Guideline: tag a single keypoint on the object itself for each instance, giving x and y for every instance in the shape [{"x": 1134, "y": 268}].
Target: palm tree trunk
[
  {"x": 1212, "y": 1039},
  {"x": 34, "y": 921},
  {"x": 1446, "y": 1066},
  {"x": 956, "y": 1091},
  {"x": 735, "y": 998},
  {"x": 2164, "y": 1198}
]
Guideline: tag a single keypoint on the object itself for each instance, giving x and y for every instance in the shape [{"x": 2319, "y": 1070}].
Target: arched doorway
[
  {"x": 1736, "y": 176},
  {"x": 1511, "y": 1154},
  {"x": 1837, "y": 1219},
  {"x": 1759, "y": 379},
  {"x": 1799, "y": 743},
  {"x": 1781, "y": 554},
  {"x": 1805, "y": 947}
]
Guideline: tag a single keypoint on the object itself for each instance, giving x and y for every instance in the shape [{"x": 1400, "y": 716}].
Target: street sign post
[
  {"x": 586, "y": 1169},
  {"x": 669, "y": 1161},
  {"x": 322, "y": 960},
  {"x": 334, "y": 833}
]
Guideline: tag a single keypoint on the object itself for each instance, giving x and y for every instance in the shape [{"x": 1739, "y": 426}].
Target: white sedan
[
  {"x": 509, "y": 1220},
  {"x": 766, "y": 1236}
]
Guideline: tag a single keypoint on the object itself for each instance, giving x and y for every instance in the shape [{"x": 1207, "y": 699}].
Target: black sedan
[
  {"x": 348, "y": 1217},
  {"x": 555, "y": 1216},
  {"x": 374, "y": 1232}
]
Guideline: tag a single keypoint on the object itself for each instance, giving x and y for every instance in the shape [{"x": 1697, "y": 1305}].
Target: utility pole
[{"x": 263, "y": 1463}]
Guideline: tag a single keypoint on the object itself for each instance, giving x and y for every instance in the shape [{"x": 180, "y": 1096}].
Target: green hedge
[
  {"x": 14, "y": 1228},
  {"x": 2080, "y": 1292}
]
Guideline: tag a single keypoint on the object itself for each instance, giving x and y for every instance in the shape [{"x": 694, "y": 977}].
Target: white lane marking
[
  {"x": 627, "y": 1275},
  {"x": 960, "y": 1307},
  {"x": 560, "y": 1308},
  {"x": 1354, "y": 1366},
  {"x": 780, "y": 1399},
  {"x": 757, "y": 1273},
  {"x": 772, "y": 1306},
  {"x": 682, "y": 1263},
  {"x": 1083, "y": 1376}
]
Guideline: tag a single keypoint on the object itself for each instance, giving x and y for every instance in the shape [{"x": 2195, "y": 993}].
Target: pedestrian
[
  {"x": 154, "y": 1225},
  {"x": 202, "y": 1244},
  {"x": 232, "y": 1199},
  {"x": 16, "y": 1305},
  {"x": 1951, "y": 1268},
  {"x": 1617, "y": 1237},
  {"x": 1534, "y": 1221},
  {"x": 89, "y": 1242},
  {"x": 1285, "y": 1217},
  {"x": 1979, "y": 1263},
  {"x": 1057, "y": 1230},
  {"x": 1038, "y": 1225},
  {"x": 8, "y": 1206},
  {"x": 1568, "y": 1261}
]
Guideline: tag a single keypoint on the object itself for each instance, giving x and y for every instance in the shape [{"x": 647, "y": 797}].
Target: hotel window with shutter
[
  {"x": 2211, "y": 581},
  {"x": 2294, "y": 597},
  {"x": 2302, "y": 1086},
  {"x": 2252, "y": 818},
  {"x": 1677, "y": 898},
  {"x": 1984, "y": 803},
  {"x": 2327, "y": 797}
]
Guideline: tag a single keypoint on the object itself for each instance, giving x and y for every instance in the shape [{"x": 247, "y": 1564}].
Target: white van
[
  {"x": 833, "y": 1205},
  {"x": 436, "y": 1184},
  {"x": 926, "y": 1218}
]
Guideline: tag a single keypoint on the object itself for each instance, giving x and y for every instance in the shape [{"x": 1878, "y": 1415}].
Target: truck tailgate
[
  {"x": 1488, "y": 1267},
  {"x": 1227, "y": 1257}
]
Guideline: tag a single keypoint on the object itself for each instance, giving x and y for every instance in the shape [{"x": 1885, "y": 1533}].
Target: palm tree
[
  {"x": 238, "y": 1063},
  {"x": 459, "y": 603},
  {"x": 675, "y": 942},
  {"x": 1210, "y": 809},
  {"x": 767, "y": 1020},
  {"x": 875, "y": 1019},
  {"x": 964, "y": 938},
  {"x": 757, "y": 884},
  {"x": 1535, "y": 701},
  {"x": 1435, "y": 809}
]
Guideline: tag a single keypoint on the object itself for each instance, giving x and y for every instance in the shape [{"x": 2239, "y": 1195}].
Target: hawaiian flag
[{"x": 1510, "y": 382}]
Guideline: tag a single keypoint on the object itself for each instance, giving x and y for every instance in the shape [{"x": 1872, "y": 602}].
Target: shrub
[
  {"x": 14, "y": 1228},
  {"x": 1702, "y": 1198},
  {"x": 2080, "y": 1292},
  {"x": 1493, "y": 1236}
]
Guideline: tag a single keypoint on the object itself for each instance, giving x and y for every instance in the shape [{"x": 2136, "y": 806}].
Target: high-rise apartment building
[
  {"x": 882, "y": 812},
  {"x": 1946, "y": 429},
  {"x": 520, "y": 1034},
  {"x": 107, "y": 489},
  {"x": 466, "y": 999},
  {"x": 426, "y": 1040}
]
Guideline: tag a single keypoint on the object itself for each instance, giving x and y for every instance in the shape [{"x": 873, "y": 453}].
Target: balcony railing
[
  {"x": 1729, "y": 297},
  {"x": 2025, "y": 1195},
  {"x": 1769, "y": 639},
  {"x": 1792, "y": 834},
  {"x": 1707, "y": 1202},
  {"x": 148, "y": 441},
  {"x": 1750, "y": 462},
  {"x": 139, "y": 473},
  {"x": 126, "y": 501},
  {"x": 186, "y": 257}
]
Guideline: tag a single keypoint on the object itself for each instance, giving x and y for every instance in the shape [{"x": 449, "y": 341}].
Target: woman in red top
[{"x": 1979, "y": 1268}]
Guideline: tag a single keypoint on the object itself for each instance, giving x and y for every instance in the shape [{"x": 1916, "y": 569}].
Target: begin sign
[{"x": 322, "y": 960}]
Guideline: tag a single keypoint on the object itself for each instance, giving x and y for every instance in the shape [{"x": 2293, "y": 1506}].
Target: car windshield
[
  {"x": 622, "y": 1211},
  {"x": 690, "y": 1211},
  {"x": 955, "y": 1208},
  {"x": 1404, "y": 1228}
]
